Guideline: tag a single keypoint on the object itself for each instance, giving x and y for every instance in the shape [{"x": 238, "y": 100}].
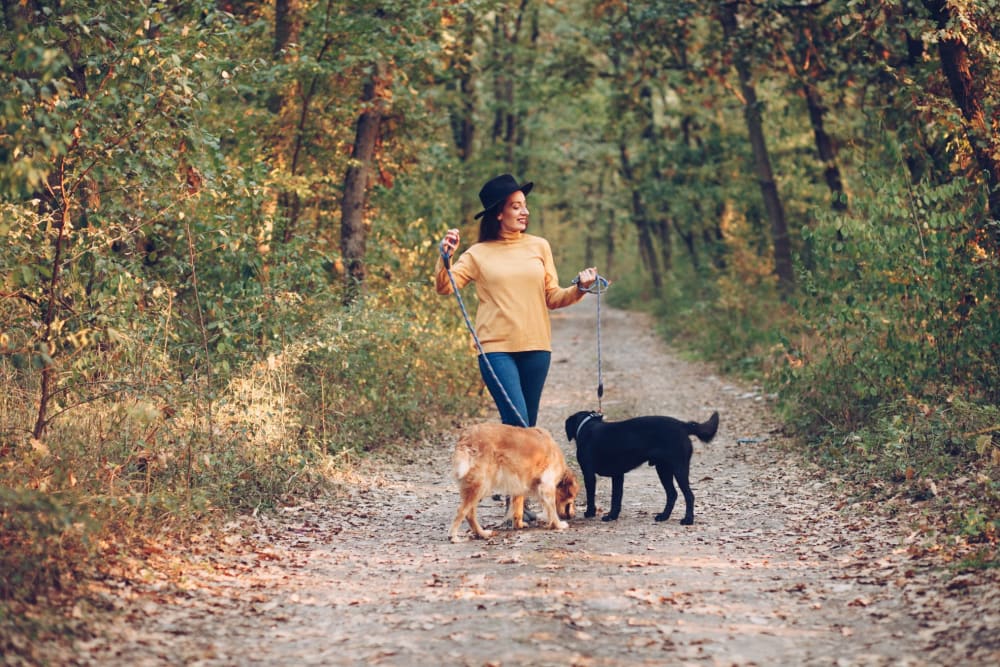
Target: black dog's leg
[
  {"x": 590, "y": 483},
  {"x": 682, "y": 481},
  {"x": 666, "y": 479},
  {"x": 617, "y": 486}
]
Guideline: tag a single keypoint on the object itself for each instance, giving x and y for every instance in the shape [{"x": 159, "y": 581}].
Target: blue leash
[
  {"x": 472, "y": 330},
  {"x": 599, "y": 287}
]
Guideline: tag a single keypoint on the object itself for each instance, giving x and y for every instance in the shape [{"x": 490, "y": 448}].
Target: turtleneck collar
[{"x": 509, "y": 236}]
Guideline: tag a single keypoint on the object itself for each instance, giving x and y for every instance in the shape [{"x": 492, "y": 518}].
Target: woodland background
[{"x": 218, "y": 222}]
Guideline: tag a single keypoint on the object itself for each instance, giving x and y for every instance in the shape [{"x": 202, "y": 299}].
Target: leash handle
[{"x": 599, "y": 286}]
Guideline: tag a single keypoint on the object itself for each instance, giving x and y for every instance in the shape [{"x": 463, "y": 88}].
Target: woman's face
[{"x": 514, "y": 216}]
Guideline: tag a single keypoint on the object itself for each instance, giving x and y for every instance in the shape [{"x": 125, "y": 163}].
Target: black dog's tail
[{"x": 706, "y": 431}]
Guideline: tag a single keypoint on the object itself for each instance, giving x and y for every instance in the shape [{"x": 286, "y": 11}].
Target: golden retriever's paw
[
  {"x": 457, "y": 539},
  {"x": 561, "y": 525},
  {"x": 487, "y": 534}
]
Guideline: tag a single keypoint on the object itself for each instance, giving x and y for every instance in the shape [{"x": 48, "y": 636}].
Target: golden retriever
[{"x": 517, "y": 462}]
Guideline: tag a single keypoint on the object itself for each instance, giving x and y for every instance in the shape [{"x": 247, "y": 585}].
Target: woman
[{"x": 517, "y": 285}]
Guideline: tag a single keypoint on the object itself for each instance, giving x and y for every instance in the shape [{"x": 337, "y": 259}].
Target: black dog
[{"x": 611, "y": 449}]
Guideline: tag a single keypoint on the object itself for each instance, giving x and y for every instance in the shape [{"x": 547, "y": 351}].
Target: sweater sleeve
[
  {"x": 555, "y": 296},
  {"x": 462, "y": 269}
]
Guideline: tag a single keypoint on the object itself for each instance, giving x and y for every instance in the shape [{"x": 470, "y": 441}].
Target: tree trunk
[
  {"x": 287, "y": 25},
  {"x": 463, "y": 118},
  {"x": 762, "y": 160},
  {"x": 519, "y": 135},
  {"x": 500, "y": 75},
  {"x": 666, "y": 242},
  {"x": 968, "y": 94},
  {"x": 640, "y": 217},
  {"x": 824, "y": 146},
  {"x": 607, "y": 270},
  {"x": 507, "y": 121},
  {"x": 811, "y": 71},
  {"x": 59, "y": 193},
  {"x": 462, "y": 113},
  {"x": 287, "y": 29},
  {"x": 715, "y": 239},
  {"x": 646, "y": 250},
  {"x": 353, "y": 229},
  {"x": 688, "y": 239},
  {"x": 609, "y": 246}
]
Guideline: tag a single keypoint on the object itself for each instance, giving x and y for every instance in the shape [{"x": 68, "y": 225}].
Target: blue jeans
[{"x": 522, "y": 375}]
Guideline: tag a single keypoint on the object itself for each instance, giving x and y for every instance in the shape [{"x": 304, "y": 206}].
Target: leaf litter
[{"x": 784, "y": 566}]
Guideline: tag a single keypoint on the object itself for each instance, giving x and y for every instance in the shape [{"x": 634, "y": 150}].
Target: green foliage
[
  {"x": 377, "y": 375},
  {"x": 902, "y": 301},
  {"x": 170, "y": 270}
]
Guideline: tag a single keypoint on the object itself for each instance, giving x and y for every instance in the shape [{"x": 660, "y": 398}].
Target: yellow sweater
[{"x": 517, "y": 285}]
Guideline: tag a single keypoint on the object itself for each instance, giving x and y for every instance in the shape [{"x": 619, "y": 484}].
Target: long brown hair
[{"x": 489, "y": 226}]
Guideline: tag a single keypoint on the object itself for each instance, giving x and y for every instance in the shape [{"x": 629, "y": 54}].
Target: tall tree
[
  {"x": 462, "y": 81},
  {"x": 641, "y": 219},
  {"x": 353, "y": 225},
  {"x": 507, "y": 61},
  {"x": 463, "y": 116},
  {"x": 287, "y": 32},
  {"x": 808, "y": 71},
  {"x": 736, "y": 40},
  {"x": 968, "y": 92}
]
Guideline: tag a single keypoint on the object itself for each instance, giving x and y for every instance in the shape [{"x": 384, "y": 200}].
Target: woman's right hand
[{"x": 450, "y": 242}]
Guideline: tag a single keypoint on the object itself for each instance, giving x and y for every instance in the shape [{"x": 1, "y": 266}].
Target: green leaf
[{"x": 27, "y": 276}]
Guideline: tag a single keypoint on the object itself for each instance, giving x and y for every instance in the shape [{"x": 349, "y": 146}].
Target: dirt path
[{"x": 779, "y": 568}]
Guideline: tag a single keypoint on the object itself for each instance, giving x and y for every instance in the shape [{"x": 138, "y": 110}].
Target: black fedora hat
[{"x": 498, "y": 189}]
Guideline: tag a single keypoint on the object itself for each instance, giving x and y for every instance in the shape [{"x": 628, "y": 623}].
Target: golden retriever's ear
[{"x": 568, "y": 482}]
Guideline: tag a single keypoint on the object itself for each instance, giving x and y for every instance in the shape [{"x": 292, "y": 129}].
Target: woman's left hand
[{"x": 587, "y": 277}]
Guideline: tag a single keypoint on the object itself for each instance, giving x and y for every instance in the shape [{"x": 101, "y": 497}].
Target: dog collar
[{"x": 585, "y": 420}]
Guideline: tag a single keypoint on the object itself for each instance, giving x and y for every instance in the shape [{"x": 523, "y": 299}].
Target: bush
[
  {"x": 43, "y": 542},
  {"x": 374, "y": 374},
  {"x": 901, "y": 301}
]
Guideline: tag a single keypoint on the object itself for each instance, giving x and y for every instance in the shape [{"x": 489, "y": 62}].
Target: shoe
[{"x": 527, "y": 515}]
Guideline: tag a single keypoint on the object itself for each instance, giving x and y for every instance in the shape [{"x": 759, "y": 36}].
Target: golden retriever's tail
[
  {"x": 705, "y": 431},
  {"x": 461, "y": 462}
]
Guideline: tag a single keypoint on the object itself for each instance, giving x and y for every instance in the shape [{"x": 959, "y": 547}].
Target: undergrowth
[
  {"x": 172, "y": 455},
  {"x": 884, "y": 371}
]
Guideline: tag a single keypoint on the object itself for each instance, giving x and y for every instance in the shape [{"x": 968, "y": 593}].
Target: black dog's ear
[{"x": 571, "y": 423}]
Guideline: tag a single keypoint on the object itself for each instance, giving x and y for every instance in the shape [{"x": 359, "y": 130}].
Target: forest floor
[{"x": 785, "y": 564}]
